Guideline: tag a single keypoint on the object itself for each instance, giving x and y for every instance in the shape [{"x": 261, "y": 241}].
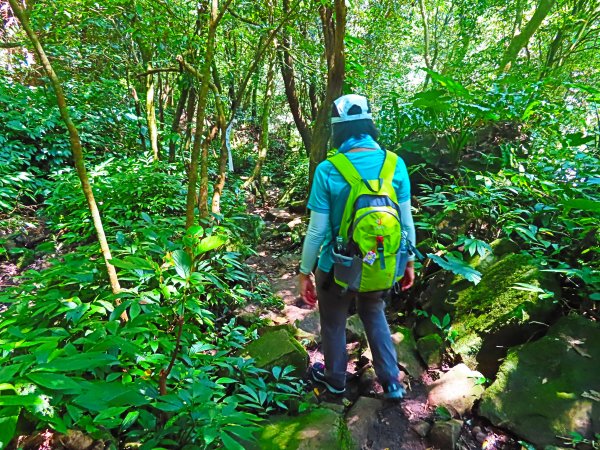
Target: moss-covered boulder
[
  {"x": 503, "y": 310},
  {"x": 322, "y": 428},
  {"x": 549, "y": 388},
  {"x": 431, "y": 349},
  {"x": 278, "y": 348}
]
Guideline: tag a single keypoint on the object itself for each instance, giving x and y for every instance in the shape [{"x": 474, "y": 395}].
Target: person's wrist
[{"x": 410, "y": 264}]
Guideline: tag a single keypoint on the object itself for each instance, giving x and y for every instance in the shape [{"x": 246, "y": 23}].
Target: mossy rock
[
  {"x": 278, "y": 348},
  {"x": 545, "y": 389},
  {"x": 322, "y": 428},
  {"x": 431, "y": 349},
  {"x": 493, "y": 315}
]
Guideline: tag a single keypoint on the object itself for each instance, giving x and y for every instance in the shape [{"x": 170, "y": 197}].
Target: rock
[
  {"x": 444, "y": 435},
  {"x": 492, "y": 316},
  {"x": 278, "y": 348},
  {"x": 431, "y": 349},
  {"x": 543, "y": 388},
  {"x": 361, "y": 418},
  {"x": 367, "y": 380},
  {"x": 406, "y": 348},
  {"x": 310, "y": 323},
  {"x": 422, "y": 428},
  {"x": 278, "y": 215},
  {"x": 355, "y": 330},
  {"x": 456, "y": 390},
  {"x": 73, "y": 440},
  {"x": 322, "y": 428}
]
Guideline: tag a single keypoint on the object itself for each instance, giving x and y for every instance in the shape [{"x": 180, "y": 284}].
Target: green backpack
[{"x": 370, "y": 252}]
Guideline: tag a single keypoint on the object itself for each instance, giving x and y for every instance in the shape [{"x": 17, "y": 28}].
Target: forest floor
[{"x": 380, "y": 425}]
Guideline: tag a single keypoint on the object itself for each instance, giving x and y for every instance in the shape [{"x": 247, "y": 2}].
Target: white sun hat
[{"x": 350, "y": 107}]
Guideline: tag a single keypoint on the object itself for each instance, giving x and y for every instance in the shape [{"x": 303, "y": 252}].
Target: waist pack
[{"x": 370, "y": 251}]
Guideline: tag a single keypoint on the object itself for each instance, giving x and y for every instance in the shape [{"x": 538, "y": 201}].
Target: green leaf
[
  {"x": 21, "y": 400},
  {"x": 55, "y": 381},
  {"x": 456, "y": 266},
  {"x": 8, "y": 424},
  {"x": 209, "y": 243},
  {"x": 229, "y": 443},
  {"x": 146, "y": 218},
  {"x": 80, "y": 361},
  {"x": 129, "y": 419},
  {"x": 183, "y": 263},
  {"x": 582, "y": 204}
]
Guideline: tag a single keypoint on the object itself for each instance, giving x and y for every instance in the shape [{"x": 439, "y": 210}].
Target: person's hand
[
  {"x": 409, "y": 276},
  {"x": 307, "y": 289}
]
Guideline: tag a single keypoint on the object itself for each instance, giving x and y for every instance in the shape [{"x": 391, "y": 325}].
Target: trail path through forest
[
  {"x": 376, "y": 424},
  {"x": 373, "y": 423}
]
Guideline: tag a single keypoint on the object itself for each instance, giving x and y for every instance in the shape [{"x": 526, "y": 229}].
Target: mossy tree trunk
[
  {"x": 75, "y": 142},
  {"x": 521, "y": 40}
]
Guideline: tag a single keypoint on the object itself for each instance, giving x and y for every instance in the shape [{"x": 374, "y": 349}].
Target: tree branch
[{"x": 159, "y": 70}]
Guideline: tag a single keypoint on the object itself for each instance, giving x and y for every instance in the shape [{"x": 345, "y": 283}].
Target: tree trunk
[
  {"x": 75, "y": 142},
  {"x": 288, "y": 74},
  {"x": 215, "y": 17},
  {"x": 151, "y": 115},
  {"x": 175, "y": 125},
  {"x": 522, "y": 39},
  {"x": 189, "y": 120},
  {"x": 203, "y": 189},
  {"x": 222, "y": 177},
  {"x": 334, "y": 31},
  {"x": 263, "y": 139}
]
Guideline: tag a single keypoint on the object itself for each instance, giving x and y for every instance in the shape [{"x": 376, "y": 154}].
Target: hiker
[{"x": 355, "y": 136}]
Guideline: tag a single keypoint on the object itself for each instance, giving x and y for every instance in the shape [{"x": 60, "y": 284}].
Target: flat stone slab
[{"x": 457, "y": 389}]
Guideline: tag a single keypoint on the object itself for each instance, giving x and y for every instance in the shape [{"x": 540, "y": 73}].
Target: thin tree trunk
[
  {"x": 75, "y": 142},
  {"x": 334, "y": 31},
  {"x": 189, "y": 117},
  {"x": 222, "y": 177},
  {"x": 215, "y": 17},
  {"x": 289, "y": 82},
  {"x": 263, "y": 139},
  {"x": 138, "y": 113},
  {"x": 522, "y": 39},
  {"x": 175, "y": 125},
  {"x": 151, "y": 115},
  {"x": 203, "y": 189}
]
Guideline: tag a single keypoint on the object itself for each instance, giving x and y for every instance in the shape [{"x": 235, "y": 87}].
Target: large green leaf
[
  {"x": 583, "y": 204},
  {"x": 210, "y": 243},
  {"x": 457, "y": 266},
  {"x": 183, "y": 263},
  {"x": 55, "y": 381},
  {"x": 80, "y": 361}
]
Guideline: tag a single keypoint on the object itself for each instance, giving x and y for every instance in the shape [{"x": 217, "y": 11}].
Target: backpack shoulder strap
[
  {"x": 388, "y": 169},
  {"x": 345, "y": 168}
]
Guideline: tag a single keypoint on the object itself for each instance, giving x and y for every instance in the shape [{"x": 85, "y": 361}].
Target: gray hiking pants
[{"x": 333, "y": 309}]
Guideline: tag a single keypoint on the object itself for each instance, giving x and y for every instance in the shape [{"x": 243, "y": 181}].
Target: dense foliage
[{"x": 500, "y": 130}]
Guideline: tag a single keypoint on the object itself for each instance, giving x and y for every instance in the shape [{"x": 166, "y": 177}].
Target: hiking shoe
[
  {"x": 393, "y": 391},
  {"x": 317, "y": 373}
]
